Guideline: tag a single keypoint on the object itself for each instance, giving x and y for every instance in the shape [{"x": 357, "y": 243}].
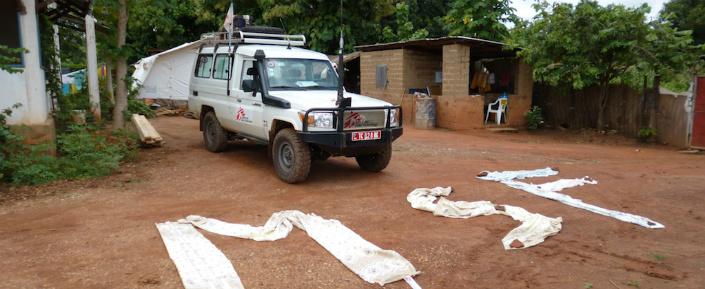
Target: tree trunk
[
  {"x": 602, "y": 106},
  {"x": 109, "y": 85},
  {"x": 121, "y": 69},
  {"x": 643, "y": 107},
  {"x": 653, "y": 101}
]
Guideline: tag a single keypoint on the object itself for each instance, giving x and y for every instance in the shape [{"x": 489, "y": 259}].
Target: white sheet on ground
[
  {"x": 550, "y": 191},
  {"x": 200, "y": 264},
  {"x": 365, "y": 259},
  {"x": 534, "y": 228}
]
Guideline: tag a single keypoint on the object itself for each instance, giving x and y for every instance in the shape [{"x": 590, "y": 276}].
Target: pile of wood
[{"x": 148, "y": 135}]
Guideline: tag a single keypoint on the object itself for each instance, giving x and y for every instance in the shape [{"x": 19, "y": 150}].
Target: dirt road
[{"x": 101, "y": 234}]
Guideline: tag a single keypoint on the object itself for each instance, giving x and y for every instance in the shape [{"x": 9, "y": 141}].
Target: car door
[{"x": 249, "y": 108}]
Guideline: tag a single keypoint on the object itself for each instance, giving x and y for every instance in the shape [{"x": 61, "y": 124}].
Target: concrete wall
[{"x": 28, "y": 87}]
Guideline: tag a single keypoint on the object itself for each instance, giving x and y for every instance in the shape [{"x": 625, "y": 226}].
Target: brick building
[{"x": 463, "y": 74}]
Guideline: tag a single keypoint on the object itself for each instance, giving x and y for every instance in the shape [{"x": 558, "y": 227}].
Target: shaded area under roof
[{"x": 479, "y": 47}]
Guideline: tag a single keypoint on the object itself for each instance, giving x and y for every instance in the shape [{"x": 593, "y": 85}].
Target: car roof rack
[{"x": 240, "y": 37}]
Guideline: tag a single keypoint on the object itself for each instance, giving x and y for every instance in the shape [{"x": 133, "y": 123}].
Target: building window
[
  {"x": 204, "y": 66},
  {"x": 222, "y": 67},
  {"x": 381, "y": 76},
  {"x": 9, "y": 21}
]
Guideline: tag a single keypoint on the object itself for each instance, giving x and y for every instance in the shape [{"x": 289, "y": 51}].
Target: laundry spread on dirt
[
  {"x": 534, "y": 228},
  {"x": 199, "y": 263},
  {"x": 371, "y": 263},
  {"x": 550, "y": 191}
]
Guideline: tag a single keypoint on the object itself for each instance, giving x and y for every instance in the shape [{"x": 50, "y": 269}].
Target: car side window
[
  {"x": 204, "y": 66},
  {"x": 222, "y": 66},
  {"x": 246, "y": 83}
]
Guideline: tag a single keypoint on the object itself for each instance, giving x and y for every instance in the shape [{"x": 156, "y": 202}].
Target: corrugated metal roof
[{"x": 478, "y": 45}]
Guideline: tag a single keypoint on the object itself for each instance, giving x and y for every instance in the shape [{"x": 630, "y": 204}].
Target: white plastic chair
[{"x": 501, "y": 106}]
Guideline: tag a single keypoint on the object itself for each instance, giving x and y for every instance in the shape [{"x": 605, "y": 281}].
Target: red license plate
[{"x": 366, "y": 135}]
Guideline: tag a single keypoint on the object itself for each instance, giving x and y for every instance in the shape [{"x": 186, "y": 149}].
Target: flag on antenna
[{"x": 229, "y": 18}]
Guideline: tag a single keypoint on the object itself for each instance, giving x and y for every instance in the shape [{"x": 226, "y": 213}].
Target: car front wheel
[
  {"x": 291, "y": 156},
  {"x": 375, "y": 162}
]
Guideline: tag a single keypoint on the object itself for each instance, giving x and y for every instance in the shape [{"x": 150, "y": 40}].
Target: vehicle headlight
[
  {"x": 320, "y": 120},
  {"x": 394, "y": 117}
]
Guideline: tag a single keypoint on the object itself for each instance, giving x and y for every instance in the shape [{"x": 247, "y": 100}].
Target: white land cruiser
[{"x": 285, "y": 97}]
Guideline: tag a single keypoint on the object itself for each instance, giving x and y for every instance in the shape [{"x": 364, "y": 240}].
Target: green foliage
[
  {"x": 581, "y": 45},
  {"x": 8, "y": 57},
  {"x": 534, "y": 118},
  {"x": 687, "y": 15},
  {"x": 647, "y": 133},
  {"x": 139, "y": 107},
  {"x": 49, "y": 58},
  {"x": 404, "y": 27},
  {"x": 658, "y": 257},
  {"x": 480, "y": 19},
  {"x": 587, "y": 285},
  {"x": 83, "y": 152},
  {"x": 320, "y": 20},
  {"x": 634, "y": 283}
]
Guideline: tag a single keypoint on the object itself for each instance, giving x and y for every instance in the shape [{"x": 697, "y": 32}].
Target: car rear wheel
[
  {"x": 375, "y": 162},
  {"x": 291, "y": 156},
  {"x": 214, "y": 136}
]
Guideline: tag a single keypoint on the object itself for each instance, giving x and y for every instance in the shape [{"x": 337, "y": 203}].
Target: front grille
[{"x": 364, "y": 119}]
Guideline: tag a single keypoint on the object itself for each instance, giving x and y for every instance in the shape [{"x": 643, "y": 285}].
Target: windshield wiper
[{"x": 284, "y": 86}]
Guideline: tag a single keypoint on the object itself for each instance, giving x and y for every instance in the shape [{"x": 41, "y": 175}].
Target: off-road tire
[
  {"x": 291, "y": 156},
  {"x": 263, "y": 29},
  {"x": 375, "y": 162},
  {"x": 214, "y": 136}
]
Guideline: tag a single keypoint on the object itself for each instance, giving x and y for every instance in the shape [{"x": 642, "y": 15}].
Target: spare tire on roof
[{"x": 263, "y": 29}]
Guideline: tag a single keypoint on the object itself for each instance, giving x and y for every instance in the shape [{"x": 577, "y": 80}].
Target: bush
[
  {"x": 83, "y": 152},
  {"x": 533, "y": 118},
  {"x": 139, "y": 107},
  {"x": 646, "y": 134}
]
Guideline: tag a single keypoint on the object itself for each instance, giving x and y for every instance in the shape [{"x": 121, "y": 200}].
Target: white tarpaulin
[
  {"x": 200, "y": 264},
  {"x": 365, "y": 259},
  {"x": 166, "y": 75},
  {"x": 534, "y": 228},
  {"x": 550, "y": 191}
]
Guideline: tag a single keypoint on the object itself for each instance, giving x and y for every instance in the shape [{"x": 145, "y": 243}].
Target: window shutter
[{"x": 381, "y": 76}]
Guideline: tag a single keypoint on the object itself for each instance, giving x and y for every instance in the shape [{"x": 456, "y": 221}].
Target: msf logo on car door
[{"x": 242, "y": 116}]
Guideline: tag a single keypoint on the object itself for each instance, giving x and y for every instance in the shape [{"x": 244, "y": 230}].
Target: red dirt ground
[{"x": 100, "y": 233}]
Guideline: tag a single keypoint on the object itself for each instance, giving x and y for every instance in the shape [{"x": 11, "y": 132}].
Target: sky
[{"x": 524, "y": 9}]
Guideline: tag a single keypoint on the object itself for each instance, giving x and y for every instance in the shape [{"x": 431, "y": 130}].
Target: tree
[
  {"x": 404, "y": 27},
  {"x": 479, "y": 18},
  {"x": 666, "y": 53},
  {"x": 319, "y": 20},
  {"x": 582, "y": 45},
  {"x": 121, "y": 67},
  {"x": 687, "y": 15}
]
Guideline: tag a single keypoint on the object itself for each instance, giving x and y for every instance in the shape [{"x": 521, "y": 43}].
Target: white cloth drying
[
  {"x": 200, "y": 264},
  {"x": 365, "y": 259},
  {"x": 550, "y": 191},
  {"x": 534, "y": 228}
]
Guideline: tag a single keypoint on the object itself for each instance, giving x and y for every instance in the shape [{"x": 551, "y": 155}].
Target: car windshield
[{"x": 300, "y": 74}]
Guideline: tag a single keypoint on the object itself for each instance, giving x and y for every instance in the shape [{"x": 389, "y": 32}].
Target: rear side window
[
  {"x": 222, "y": 67},
  {"x": 246, "y": 65},
  {"x": 204, "y": 66}
]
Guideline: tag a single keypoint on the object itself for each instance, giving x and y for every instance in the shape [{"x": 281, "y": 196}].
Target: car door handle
[
  {"x": 239, "y": 100},
  {"x": 257, "y": 104},
  {"x": 195, "y": 93}
]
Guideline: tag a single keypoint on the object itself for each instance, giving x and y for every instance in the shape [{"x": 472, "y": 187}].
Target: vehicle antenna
[{"x": 341, "y": 65}]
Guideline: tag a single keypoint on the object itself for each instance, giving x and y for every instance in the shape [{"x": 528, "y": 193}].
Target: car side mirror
[
  {"x": 252, "y": 71},
  {"x": 248, "y": 85}
]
